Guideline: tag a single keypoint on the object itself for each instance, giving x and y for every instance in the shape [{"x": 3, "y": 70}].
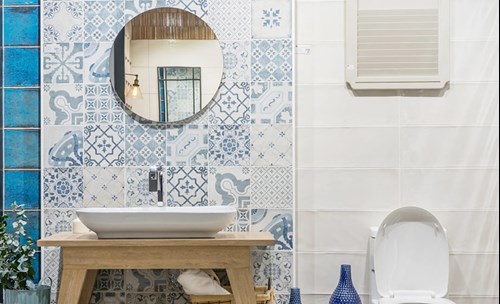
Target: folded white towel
[{"x": 201, "y": 282}]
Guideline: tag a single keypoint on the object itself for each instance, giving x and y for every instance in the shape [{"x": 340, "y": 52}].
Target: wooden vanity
[{"x": 84, "y": 255}]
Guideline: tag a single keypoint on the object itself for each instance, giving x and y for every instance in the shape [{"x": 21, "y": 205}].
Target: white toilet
[{"x": 409, "y": 259}]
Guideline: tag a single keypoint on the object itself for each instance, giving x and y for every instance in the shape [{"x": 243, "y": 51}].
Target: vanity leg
[
  {"x": 242, "y": 285},
  {"x": 72, "y": 285},
  {"x": 88, "y": 286}
]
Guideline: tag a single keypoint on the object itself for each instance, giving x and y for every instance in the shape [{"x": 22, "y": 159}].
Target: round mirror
[{"x": 166, "y": 65}]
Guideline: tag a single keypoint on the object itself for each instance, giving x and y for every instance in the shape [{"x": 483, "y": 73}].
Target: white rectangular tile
[
  {"x": 450, "y": 189},
  {"x": 336, "y": 105},
  {"x": 449, "y": 147},
  {"x": 462, "y": 104},
  {"x": 355, "y": 189},
  {"x": 474, "y": 61},
  {"x": 475, "y": 20},
  {"x": 325, "y": 64},
  {"x": 347, "y": 147},
  {"x": 322, "y": 299},
  {"x": 475, "y": 300},
  {"x": 475, "y": 275},
  {"x": 319, "y": 21}
]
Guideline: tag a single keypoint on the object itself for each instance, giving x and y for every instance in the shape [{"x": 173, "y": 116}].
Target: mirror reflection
[{"x": 166, "y": 65}]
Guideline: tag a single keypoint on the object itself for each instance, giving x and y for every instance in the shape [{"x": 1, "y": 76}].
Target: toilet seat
[{"x": 411, "y": 258}]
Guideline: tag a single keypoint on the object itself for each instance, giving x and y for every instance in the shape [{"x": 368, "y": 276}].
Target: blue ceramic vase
[
  {"x": 295, "y": 296},
  {"x": 345, "y": 293}
]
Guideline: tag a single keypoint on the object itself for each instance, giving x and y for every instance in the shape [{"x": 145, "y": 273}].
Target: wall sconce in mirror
[{"x": 135, "y": 89}]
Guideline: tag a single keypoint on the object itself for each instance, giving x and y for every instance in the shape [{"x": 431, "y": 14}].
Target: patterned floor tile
[
  {"x": 140, "y": 280},
  {"x": 145, "y": 145},
  {"x": 63, "y": 188},
  {"x": 271, "y": 19},
  {"x": 58, "y": 220},
  {"x": 103, "y": 20},
  {"x": 272, "y": 103},
  {"x": 104, "y": 187},
  {"x": 272, "y": 145},
  {"x": 187, "y": 186},
  {"x": 63, "y": 104},
  {"x": 272, "y": 60},
  {"x": 101, "y": 105},
  {"x": 272, "y": 187},
  {"x": 231, "y": 19},
  {"x": 138, "y": 194},
  {"x": 229, "y": 186},
  {"x": 104, "y": 145},
  {"x": 278, "y": 222},
  {"x": 63, "y": 63},
  {"x": 237, "y": 60},
  {"x": 187, "y": 145},
  {"x": 147, "y": 298},
  {"x": 63, "y": 21},
  {"x": 96, "y": 62},
  {"x": 108, "y": 297},
  {"x": 231, "y": 104},
  {"x": 110, "y": 280},
  {"x": 64, "y": 148},
  {"x": 229, "y": 145}
]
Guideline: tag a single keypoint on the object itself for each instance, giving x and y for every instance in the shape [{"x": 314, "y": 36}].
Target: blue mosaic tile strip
[
  {"x": 22, "y": 149},
  {"x": 22, "y": 67},
  {"x": 22, "y": 108},
  {"x": 22, "y": 187},
  {"x": 22, "y": 26}
]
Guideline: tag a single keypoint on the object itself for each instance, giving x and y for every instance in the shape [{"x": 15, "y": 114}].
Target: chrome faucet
[{"x": 156, "y": 183}]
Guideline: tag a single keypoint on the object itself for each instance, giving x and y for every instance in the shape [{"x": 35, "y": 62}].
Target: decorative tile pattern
[
  {"x": 278, "y": 222},
  {"x": 271, "y": 19},
  {"x": 96, "y": 62},
  {"x": 272, "y": 60},
  {"x": 52, "y": 265},
  {"x": 230, "y": 186},
  {"x": 229, "y": 145},
  {"x": 57, "y": 221},
  {"x": 107, "y": 298},
  {"x": 145, "y": 145},
  {"x": 103, "y": 20},
  {"x": 282, "y": 298},
  {"x": 231, "y": 104},
  {"x": 63, "y": 188},
  {"x": 275, "y": 265},
  {"x": 104, "y": 187},
  {"x": 63, "y": 63},
  {"x": 63, "y": 104},
  {"x": 140, "y": 280},
  {"x": 187, "y": 145},
  {"x": 187, "y": 186},
  {"x": 109, "y": 280},
  {"x": 272, "y": 187},
  {"x": 63, "y": 21},
  {"x": 272, "y": 145},
  {"x": 197, "y": 7},
  {"x": 101, "y": 105},
  {"x": 104, "y": 145},
  {"x": 64, "y": 148},
  {"x": 147, "y": 298},
  {"x": 138, "y": 194},
  {"x": 272, "y": 103},
  {"x": 231, "y": 19},
  {"x": 237, "y": 60}
]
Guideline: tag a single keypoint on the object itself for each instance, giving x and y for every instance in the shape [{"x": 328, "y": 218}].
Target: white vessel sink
[{"x": 168, "y": 222}]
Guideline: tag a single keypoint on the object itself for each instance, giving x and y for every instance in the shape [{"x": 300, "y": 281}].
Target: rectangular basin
[{"x": 167, "y": 222}]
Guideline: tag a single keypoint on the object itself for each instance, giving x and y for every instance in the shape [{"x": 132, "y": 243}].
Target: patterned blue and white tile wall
[
  {"x": 239, "y": 153},
  {"x": 20, "y": 112}
]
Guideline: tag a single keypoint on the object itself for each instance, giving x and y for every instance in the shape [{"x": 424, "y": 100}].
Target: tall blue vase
[
  {"x": 295, "y": 296},
  {"x": 345, "y": 293}
]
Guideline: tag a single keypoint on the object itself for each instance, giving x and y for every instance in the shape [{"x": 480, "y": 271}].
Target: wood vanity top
[{"x": 69, "y": 239}]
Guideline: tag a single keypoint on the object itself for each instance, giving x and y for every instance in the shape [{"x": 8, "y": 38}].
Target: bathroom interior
[{"x": 284, "y": 130}]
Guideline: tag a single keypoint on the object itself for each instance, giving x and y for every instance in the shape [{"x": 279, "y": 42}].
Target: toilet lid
[{"x": 411, "y": 254}]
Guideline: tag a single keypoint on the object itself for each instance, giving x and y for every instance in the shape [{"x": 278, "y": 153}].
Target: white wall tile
[
  {"x": 449, "y": 147},
  {"x": 462, "y": 104},
  {"x": 475, "y": 274},
  {"x": 356, "y": 189},
  {"x": 347, "y": 147},
  {"x": 474, "y": 61},
  {"x": 323, "y": 299},
  {"x": 319, "y": 21},
  {"x": 475, "y": 20},
  {"x": 450, "y": 189},
  {"x": 325, "y": 64},
  {"x": 336, "y": 105},
  {"x": 475, "y": 300}
]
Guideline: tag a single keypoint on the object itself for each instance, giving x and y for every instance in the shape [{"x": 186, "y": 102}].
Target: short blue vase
[
  {"x": 345, "y": 293},
  {"x": 295, "y": 296}
]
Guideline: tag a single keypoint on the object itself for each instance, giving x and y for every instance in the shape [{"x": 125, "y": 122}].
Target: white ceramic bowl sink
[{"x": 168, "y": 222}]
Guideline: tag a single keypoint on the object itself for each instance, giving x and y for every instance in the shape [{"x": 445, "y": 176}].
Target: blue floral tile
[
  {"x": 272, "y": 103},
  {"x": 52, "y": 266},
  {"x": 272, "y": 60},
  {"x": 197, "y": 7},
  {"x": 63, "y": 188},
  {"x": 231, "y": 19},
  {"x": 187, "y": 186},
  {"x": 104, "y": 145},
  {"x": 137, "y": 191},
  {"x": 58, "y": 220},
  {"x": 104, "y": 187},
  {"x": 229, "y": 186},
  {"x": 145, "y": 145},
  {"x": 22, "y": 149},
  {"x": 22, "y": 108},
  {"x": 63, "y": 21},
  {"x": 28, "y": 33},
  {"x": 21, "y": 67},
  {"x": 135, "y": 7},
  {"x": 187, "y": 145},
  {"x": 101, "y": 105},
  {"x": 277, "y": 265},
  {"x": 278, "y": 222},
  {"x": 63, "y": 63},
  {"x": 103, "y": 20},
  {"x": 96, "y": 66},
  {"x": 231, "y": 104},
  {"x": 271, "y": 19},
  {"x": 63, "y": 104},
  {"x": 22, "y": 187},
  {"x": 283, "y": 298},
  {"x": 229, "y": 145},
  {"x": 64, "y": 148},
  {"x": 237, "y": 60},
  {"x": 272, "y": 187},
  {"x": 272, "y": 145}
]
